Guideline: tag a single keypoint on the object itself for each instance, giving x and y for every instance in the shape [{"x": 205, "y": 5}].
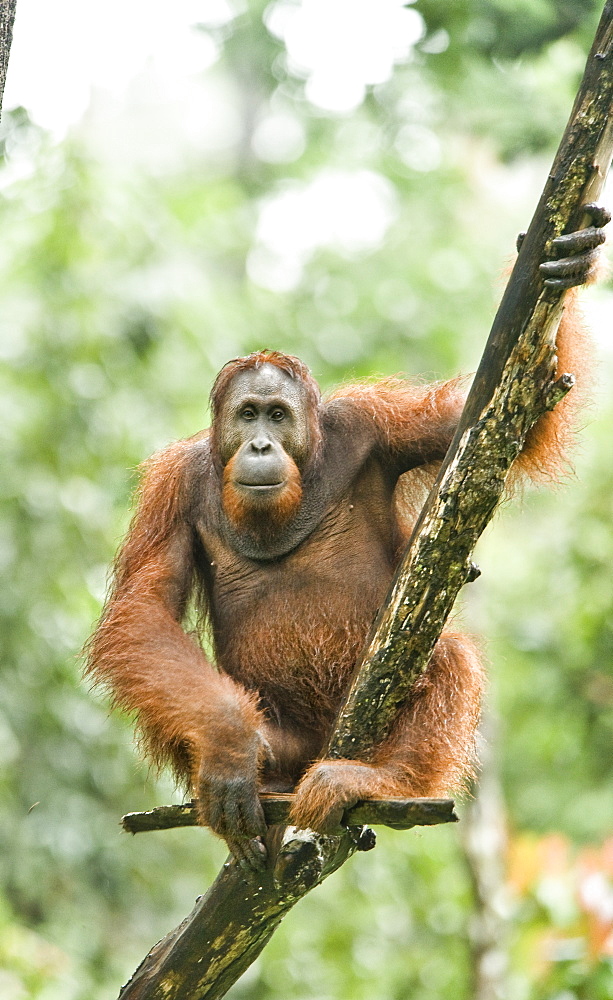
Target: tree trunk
[{"x": 7, "y": 18}]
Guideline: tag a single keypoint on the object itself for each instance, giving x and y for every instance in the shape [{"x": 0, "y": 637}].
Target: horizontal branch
[{"x": 399, "y": 814}]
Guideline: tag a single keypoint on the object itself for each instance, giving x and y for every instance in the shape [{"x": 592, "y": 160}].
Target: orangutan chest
[
  {"x": 294, "y": 629},
  {"x": 340, "y": 568}
]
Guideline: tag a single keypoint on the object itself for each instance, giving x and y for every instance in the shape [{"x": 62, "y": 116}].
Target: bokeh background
[{"x": 340, "y": 179}]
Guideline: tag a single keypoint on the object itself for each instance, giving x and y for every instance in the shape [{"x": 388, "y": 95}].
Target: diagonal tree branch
[{"x": 513, "y": 387}]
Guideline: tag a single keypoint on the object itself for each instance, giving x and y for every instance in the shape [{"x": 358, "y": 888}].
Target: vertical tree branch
[{"x": 7, "y": 18}]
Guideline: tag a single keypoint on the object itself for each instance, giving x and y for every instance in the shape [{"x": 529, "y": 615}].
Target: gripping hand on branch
[{"x": 576, "y": 256}]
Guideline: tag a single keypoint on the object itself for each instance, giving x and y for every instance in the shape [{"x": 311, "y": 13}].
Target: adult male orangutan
[{"x": 285, "y": 524}]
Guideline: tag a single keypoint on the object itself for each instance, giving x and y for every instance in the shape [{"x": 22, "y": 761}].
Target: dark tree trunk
[{"x": 7, "y": 18}]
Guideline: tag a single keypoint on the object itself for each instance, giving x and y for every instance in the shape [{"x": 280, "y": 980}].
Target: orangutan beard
[{"x": 257, "y": 513}]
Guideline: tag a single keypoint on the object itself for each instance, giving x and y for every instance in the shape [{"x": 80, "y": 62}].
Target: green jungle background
[{"x": 138, "y": 254}]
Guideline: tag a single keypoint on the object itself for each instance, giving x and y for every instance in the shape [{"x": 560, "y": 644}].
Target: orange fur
[
  {"x": 139, "y": 650},
  {"x": 545, "y": 456},
  {"x": 431, "y": 749},
  {"x": 407, "y": 415},
  {"x": 279, "y": 509}
]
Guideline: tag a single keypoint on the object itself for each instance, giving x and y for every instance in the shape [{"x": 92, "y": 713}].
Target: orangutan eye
[
  {"x": 277, "y": 414},
  {"x": 248, "y": 413}
]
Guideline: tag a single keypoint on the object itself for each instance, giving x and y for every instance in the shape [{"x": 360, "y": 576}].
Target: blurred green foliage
[{"x": 126, "y": 279}]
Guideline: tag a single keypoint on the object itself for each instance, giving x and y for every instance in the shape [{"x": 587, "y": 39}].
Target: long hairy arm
[
  {"x": 416, "y": 423},
  {"x": 413, "y": 423},
  {"x": 139, "y": 650},
  {"x": 545, "y": 457}
]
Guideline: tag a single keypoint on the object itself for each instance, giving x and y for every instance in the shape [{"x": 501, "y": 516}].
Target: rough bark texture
[
  {"x": 513, "y": 386},
  {"x": 228, "y": 927},
  {"x": 7, "y": 17},
  {"x": 231, "y": 924}
]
